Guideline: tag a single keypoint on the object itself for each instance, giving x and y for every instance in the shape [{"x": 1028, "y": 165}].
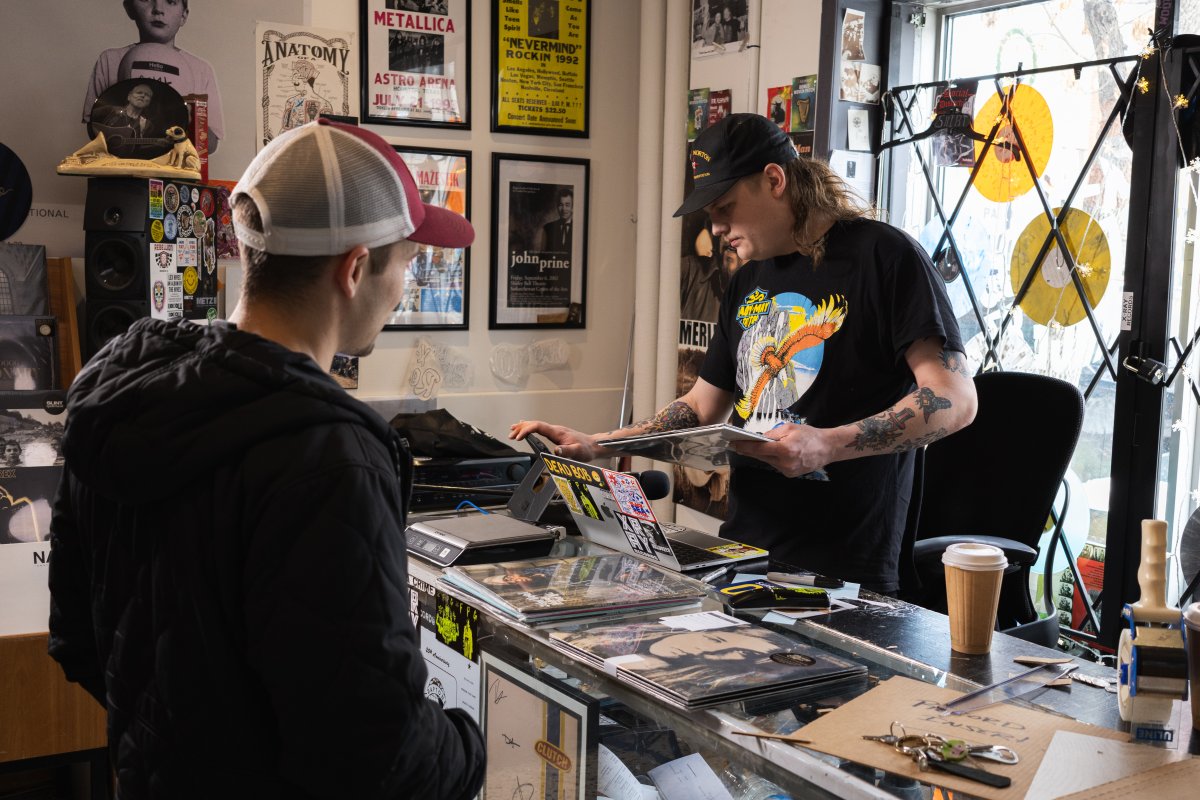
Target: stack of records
[
  {"x": 701, "y": 668},
  {"x": 549, "y": 589}
]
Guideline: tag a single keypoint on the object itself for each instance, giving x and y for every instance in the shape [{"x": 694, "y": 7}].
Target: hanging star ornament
[
  {"x": 1148, "y": 51},
  {"x": 1143, "y": 85},
  {"x": 1193, "y": 165},
  {"x": 1190, "y": 236},
  {"x": 1179, "y": 102}
]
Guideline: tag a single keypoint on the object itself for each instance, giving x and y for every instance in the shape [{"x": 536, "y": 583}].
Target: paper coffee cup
[
  {"x": 973, "y": 576},
  {"x": 1191, "y": 621}
]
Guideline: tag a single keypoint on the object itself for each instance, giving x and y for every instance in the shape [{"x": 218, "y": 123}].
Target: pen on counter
[{"x": 801, "y": 579}]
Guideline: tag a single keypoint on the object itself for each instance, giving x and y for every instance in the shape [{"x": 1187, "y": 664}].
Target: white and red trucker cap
[{"x": 325, "y": 188}]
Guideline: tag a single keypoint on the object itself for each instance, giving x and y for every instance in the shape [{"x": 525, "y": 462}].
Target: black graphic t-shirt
[{"x": 827, "y": 344}]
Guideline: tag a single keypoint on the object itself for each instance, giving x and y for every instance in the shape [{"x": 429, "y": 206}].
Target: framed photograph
[
  {"x": 435, "y": 284},
  {"x": 416, "y": 67},
  {"x": 541, "y": 66},
  {"x": 539, "y": 241},
  {"x": 541, "y": 735}
]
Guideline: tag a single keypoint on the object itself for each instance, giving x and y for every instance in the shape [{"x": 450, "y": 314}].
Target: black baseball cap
[{"x": 737, "y": 146}]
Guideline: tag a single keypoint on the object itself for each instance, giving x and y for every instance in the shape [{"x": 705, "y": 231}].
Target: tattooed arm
[
  {"x": 943, "y": 402},
  {"x": 703, "y": 405}
]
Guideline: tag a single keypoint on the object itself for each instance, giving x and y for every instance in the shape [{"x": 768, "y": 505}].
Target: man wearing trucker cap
[
  {"x": 228, "y": 568},
  {"x": 836, "y": 340}
]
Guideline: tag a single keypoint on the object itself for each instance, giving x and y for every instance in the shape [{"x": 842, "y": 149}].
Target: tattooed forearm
[
  {"x": 920, "y": 441},
  {"x": 672, "y": 418},
  {"x": 878, "y": 432},
  {"x": 955, "y": 361},
  {"x": 929, "y": 403}
]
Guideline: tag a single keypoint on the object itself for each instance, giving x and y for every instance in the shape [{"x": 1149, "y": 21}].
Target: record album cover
[
  {"x": 698, "y": 668},
  {"x": 28, "y": 353},
  {"x": 24, "y": 269},
  {"x": 555, "y": 588}
]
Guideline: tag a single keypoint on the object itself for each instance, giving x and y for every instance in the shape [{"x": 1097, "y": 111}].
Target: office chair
[{"x": 995, "y": 482}]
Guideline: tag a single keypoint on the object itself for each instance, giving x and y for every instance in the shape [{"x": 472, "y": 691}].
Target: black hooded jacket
[{"x": 228, "y": 576}]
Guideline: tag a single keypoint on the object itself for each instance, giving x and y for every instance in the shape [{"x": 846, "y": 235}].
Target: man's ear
[
  {"x": 350, "y": 269},
  {"x": 776, "y": 179}
]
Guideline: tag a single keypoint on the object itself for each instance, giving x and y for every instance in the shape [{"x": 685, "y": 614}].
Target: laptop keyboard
[{"x": 690, "y": 554}]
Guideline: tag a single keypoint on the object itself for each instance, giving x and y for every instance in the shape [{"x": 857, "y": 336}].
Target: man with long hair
[{"x": 836, "y": 339}]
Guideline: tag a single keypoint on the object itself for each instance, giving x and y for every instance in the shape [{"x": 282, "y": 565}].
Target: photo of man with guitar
[{"x": 134, "y": 116}]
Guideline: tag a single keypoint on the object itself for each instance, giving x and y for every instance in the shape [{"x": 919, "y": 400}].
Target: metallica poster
[
  {"x": 416, "y": 62},
  {"x": 539, "y": 241}
]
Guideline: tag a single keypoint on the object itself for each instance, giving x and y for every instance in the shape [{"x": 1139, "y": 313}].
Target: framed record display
[
  {"x": 416, "y": 67},
  {"x": 539, "y": 241},
  {"x": 541, "y": 66},
  {"x": 436, "y": 281},
  {"x": 541, "y": 735}
]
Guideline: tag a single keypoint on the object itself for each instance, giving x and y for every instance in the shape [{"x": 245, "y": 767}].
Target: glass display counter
[{"x": 888, "y": 636}]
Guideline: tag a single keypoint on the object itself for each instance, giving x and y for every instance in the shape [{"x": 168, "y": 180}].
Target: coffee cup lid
[
  {"x": 1192, "y": 615},
  {"x": 971, "y": 556}
]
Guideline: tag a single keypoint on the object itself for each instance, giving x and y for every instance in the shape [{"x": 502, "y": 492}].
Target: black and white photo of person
[
  {"x": 155, "y": 56},
  {"x": 416, "y": 52},
  {"x": 556, "y": 234},
  {"x": 543, "y": 19},
  {"x": 853, "y": 31},
  {"x": 850, "y": 89},
  {"x": 727, "y": 21},
  {"x": 129, "y": 129},
  {"x": 868, "y": 82}
]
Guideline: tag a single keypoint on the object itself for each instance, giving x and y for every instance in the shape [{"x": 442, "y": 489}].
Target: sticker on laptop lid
[
  {"x": 736, "y": 550},
  {"x": 629, "y": 495}
]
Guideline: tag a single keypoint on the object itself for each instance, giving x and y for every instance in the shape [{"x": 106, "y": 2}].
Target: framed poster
[
  {"x": 541, "y": 66},
  {"x": 539, "y": 241},
  {"x": 303, "y": 73},
  {"x": 540, "y": 734},
  {"x": 416, "y": 66},
  {"x": 435, "y": 282}
]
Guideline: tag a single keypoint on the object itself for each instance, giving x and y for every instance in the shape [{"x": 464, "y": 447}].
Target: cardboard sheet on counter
[{"x": 913, "y": 704}]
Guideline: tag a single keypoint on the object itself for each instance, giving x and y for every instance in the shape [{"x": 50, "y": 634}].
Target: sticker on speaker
[
  {"x": 198, "y": 223},
  {"x": 185, "y": 221},
  {"x": 191, "y": 280},
  {"x": 134, "y": 115},
  {"x": 171, "y": 198},
  {"x": 195, "y": 195},
  {"x": 170, "y": 227},
  {"x": 206, "y": 202},
  {"x": 156, "y": 230},
  {"x": 156, "y": 198},
  {"x": 159, "y": 292}
]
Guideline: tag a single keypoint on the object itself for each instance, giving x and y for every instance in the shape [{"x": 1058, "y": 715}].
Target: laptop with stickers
[{"x": 610, "y": 509}]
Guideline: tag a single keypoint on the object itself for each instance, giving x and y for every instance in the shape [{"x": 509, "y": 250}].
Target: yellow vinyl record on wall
[
  {"x": 1004, "y": 175},
  {"x": 1052, "y": 294}
]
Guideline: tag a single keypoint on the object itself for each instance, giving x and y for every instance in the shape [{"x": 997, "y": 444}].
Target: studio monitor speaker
[
  {"x": 148, "y": 252},
  {"x": 117, "y": 253}
]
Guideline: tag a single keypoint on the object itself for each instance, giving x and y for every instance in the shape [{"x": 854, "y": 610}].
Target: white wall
[{"x": 47, "y": 48}]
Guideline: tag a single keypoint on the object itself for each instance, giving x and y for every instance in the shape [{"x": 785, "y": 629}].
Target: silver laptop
[{"x": 610, "y": 509}]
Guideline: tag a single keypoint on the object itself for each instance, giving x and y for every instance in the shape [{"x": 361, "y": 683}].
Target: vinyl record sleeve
[
  {"x": 705, "y": 447},
  {"x": 554, "y": 588},
  {"x": 695, "y": 669},
  {"x": 28, "y": 353}
]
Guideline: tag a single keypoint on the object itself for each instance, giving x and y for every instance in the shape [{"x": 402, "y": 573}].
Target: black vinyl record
[
  {"x": 134, "y": 116},
  {"x": 16, "y": 193}
]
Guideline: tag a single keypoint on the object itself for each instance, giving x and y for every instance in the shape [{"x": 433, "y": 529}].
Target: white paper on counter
[{"x": 688, "y": 778}]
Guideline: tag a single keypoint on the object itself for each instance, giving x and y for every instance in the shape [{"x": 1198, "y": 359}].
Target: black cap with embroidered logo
[{"x": 737, "y": 146}]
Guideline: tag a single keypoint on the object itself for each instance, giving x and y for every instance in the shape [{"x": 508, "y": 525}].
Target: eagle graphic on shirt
[{"x": 781, "y": 351}]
